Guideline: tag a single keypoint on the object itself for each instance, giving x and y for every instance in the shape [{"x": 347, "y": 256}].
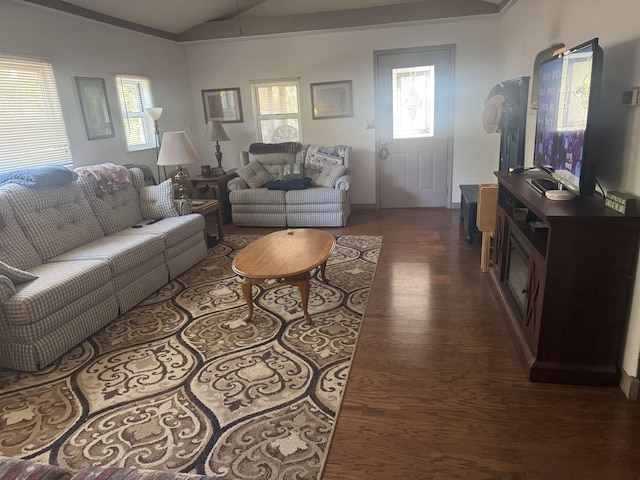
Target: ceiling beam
[
  {"x": 72, "y": 9},
  {"x": 360, "y": 17}
]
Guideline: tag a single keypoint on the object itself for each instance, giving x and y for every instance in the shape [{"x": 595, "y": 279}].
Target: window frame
[
  {"x": 32, "y": 128},
  {"x": 145, "y": 98},
  {"x": 255, "y": 86}
]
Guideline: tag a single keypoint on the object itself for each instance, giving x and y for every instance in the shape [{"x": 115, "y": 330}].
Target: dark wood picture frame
[
  {"x": 94, "y": 104},
  {"x": 331, "y": 100},
  {"x": 223, "y": 104}
]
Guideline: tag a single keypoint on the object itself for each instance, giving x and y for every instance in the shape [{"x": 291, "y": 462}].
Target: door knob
[{"x": 383, "y": 152}]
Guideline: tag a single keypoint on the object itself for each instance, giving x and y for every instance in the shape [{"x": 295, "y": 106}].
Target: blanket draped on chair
[{"x": 262, "y": 148}]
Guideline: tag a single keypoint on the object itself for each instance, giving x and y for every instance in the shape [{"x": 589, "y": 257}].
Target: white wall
[
  {"x": 348, "y": 55},
  {"x": 80, "y": 47},
  {"x": 533, "y": 25}
]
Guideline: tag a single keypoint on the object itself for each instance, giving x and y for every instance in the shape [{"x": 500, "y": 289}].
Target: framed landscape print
[
  {"x": 331, "y": 100},
  {"x": 222, "y": 104},
  {"x": 95, "y": 107}
]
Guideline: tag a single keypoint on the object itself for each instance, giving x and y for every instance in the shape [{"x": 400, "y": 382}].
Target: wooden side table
[
  {"x": 208, "y": 207},
  {"x": 218, "y": 184}
]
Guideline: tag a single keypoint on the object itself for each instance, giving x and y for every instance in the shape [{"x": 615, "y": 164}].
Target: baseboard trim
[
  {"x": 363, "y": 206},
  {"x": 629, "y": 385},
  {"x": 372, "y": 206}
]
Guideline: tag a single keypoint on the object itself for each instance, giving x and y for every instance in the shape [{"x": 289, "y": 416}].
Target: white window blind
[
  {"x": 32, "y": 130},
  {"x": 135, "y": 95},
  {"x": 277, "y": 107}
]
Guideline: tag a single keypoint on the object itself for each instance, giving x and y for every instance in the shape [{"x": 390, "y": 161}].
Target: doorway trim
[{"x": 451, "y": 48}]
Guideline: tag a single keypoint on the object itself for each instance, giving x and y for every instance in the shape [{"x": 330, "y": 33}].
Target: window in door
[
  {"x": 277, "y": 107},
  {"x": 413, "y": 102},
  {"x": 32, "y": 130},
  {"x": 135, "y": 95}
]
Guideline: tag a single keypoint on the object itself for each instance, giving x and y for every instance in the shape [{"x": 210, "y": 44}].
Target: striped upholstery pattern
[
  {"x": 85, "y": 278},
  {"x": 57, "y": 285},
  {"x": 7, "y": 289},
  {"x": 120, "y": 473},
  {"x": 237, "y": 183},
  {"x": 15, "y": 274},
  {"x": 15, "y": 249},
  {"x": 45, "y": 327},
  {"x": 258, "y": 207},
  {"x": 121, "y": 252},
  {"x": 114, "y": 210},
  {"x": 35, "y": 345},
  {"x": 323, "y": 206},
  {"x": 156, "y": 201},
  {"x": 54, "y": 219},
  {"x": 181, "y": 257},
  {"x": 18, "y": 469},
  {"x": 174, "y": 230}
]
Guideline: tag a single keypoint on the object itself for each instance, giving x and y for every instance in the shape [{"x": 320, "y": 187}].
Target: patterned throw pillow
[
  {"x": 15, "y": 274},
  {"x": 330, "y": 173},
  {"x": 156, "y": 201},
  {"x": 254, "y": 174}
]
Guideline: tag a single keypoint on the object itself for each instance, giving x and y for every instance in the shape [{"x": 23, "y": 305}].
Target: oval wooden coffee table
[{"x": 289, "y": 256}]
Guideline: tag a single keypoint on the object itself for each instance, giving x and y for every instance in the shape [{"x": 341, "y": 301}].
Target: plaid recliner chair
[{"x": 260, "y": 196}]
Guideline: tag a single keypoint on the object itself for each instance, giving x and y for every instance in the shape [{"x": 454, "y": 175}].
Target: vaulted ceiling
[{"x": 195, "y": 20}]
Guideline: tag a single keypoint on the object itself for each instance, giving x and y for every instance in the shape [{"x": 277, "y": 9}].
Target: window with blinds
[
  {"x": 135, "y": 95},
  {"x": 277, "y": 107},
  {"x": 32, "y": 130}
]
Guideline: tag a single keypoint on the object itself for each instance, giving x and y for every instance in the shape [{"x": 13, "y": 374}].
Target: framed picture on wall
[
  {"x": 331, "y": 100},
  {"x": 95, "y": 107},
  {"x": 222, "y": 104}
]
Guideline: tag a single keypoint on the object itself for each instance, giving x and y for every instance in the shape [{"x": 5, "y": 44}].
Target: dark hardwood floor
[{"x": 437, "y": 389}]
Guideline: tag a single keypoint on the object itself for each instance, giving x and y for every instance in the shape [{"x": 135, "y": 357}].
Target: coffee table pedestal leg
[
  {"x": 303, "y": 284},
  {"x": 323, "y": 268},
  {"x": 247, "y": 285}
]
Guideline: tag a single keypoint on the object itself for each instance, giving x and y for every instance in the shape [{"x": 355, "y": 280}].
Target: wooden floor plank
[{"x": 437, "y": 389}]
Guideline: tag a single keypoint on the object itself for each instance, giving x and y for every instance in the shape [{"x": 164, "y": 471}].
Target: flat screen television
[{"x": 566, "y": 122}]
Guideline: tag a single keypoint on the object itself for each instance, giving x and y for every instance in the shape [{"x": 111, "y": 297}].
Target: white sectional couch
[{"x": 94, "y": 255}]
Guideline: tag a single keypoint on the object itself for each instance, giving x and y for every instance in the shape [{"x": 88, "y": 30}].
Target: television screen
[{"x": 569, "y": 88}]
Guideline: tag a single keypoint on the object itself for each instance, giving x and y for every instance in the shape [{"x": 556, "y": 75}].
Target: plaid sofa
[
  {"x": 325, "y": 203},
  {"x": 75, "y": 257}
]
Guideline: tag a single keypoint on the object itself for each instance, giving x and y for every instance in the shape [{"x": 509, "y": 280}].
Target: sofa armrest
[
  {"x": 343, "y": 183},
  {"x": 7, "y": 289},
  {"x": 237, "y": 183}
]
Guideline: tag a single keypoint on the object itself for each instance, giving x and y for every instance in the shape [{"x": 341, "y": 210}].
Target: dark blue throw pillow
[{"x": 297, "y": 184}]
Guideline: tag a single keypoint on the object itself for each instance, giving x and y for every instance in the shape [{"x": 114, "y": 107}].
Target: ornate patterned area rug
[{"x": 181, "y": 383}]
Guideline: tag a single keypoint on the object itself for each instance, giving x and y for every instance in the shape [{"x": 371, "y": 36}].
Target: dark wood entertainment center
[{"x": 564, "y": 274}]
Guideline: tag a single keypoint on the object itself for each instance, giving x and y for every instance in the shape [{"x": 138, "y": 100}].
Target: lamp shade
[
  {"x": 177, "y": 149},
  {"x": 154, "y": 113},
  {"x": 215, "y": 132}
]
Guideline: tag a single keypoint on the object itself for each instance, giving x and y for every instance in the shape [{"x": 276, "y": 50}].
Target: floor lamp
[{"x": 154, "y": 113}]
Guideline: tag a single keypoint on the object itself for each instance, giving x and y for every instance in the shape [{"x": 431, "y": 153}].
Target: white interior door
[{"x": 413, "y": 126}]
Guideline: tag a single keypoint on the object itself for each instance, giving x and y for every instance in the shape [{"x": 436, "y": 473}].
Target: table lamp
[
  {"x": 177, "y": 150},
  {"x": 215, "y": 133}
]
